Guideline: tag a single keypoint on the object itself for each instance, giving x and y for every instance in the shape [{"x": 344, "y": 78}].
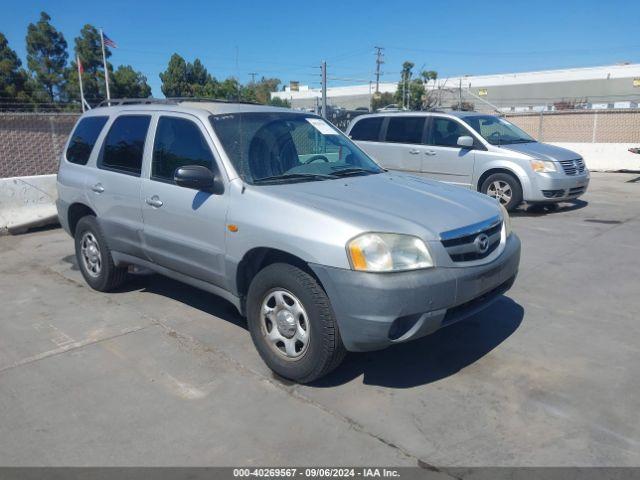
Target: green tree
[
  {"x": 280, "y": 102},
  {"x": 176, "y": 78},
  {"x": 403, "y": 84},
  {"x": 263, "y": 89},
  {"x": 13, "y": 78},
  {"x": 197, "y": 74},
  {"x": 128, "y": 83},
  {"x": 184, "y": 79},
  {"x": 381, "y": 100},
  {"x": 46, "y": 56}
]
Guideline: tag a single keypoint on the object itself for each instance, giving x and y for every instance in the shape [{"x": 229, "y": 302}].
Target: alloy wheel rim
[
  {"x": 501, "y": 191},
  {"x": 285, "y": 324},
  {"x": 90, "y": 254}
]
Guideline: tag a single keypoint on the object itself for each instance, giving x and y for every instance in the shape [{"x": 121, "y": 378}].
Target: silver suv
[
  {"x": 282, "y": 215},
  {"x": 477, "y": 151}
]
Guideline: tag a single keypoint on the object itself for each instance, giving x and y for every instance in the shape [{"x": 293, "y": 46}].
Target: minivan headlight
[
  {"x": 388, "y": 252},
  {"x": 506, "y": 219},
  {"x": 543, "y": 166}
]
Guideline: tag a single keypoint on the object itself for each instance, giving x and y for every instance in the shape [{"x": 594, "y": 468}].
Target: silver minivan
[{"x": 478, "y": 151}]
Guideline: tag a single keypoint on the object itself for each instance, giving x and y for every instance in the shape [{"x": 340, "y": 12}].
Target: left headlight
[
  {"x": 506, "y": 219},
  {"x": 388, "y": 252}
]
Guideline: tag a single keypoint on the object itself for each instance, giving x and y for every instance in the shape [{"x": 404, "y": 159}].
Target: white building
[{"x": 611, "y": 86}]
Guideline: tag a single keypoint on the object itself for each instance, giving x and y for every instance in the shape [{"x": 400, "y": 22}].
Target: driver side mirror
[
  {"x": 465, "y": 141},
  {"x": 198, "y": 177}
]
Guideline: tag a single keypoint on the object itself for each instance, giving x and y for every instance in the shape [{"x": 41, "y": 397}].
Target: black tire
[
  {"x": 109, "y": 276},
  {"x": 324, "y": 350},
  {"x": 514, "y": 185}
]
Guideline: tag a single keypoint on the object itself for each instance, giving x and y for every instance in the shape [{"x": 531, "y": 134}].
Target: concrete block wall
[{"x": 31, "y": 143}]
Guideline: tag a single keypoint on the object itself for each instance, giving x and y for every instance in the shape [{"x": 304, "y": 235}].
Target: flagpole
[
  {"x": 80, "y": 81},
  {"x": 104, "y": 61}
]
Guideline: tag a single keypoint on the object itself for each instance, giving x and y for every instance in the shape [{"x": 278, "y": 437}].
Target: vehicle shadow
[
  {"x": 546, "y": 209},
  {"x": 186, "y": 294},
  {"x": 435, "y": 356}
]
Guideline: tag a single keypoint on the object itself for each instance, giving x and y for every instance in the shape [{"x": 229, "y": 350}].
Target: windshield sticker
[{"x": 322, "y": 126}]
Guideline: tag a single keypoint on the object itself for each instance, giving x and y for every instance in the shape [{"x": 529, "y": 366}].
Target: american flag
[{"x": 108, "y": 42}]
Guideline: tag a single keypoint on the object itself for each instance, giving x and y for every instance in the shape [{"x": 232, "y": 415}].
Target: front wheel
[
  {"x": 292, "y": 323},
  {"x": 505, "y": 188}
]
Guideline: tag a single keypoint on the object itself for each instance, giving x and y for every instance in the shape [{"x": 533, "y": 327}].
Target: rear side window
[
  {"x": 445, "y": 132},
  {"x": 367, "y": 129},
  {"x": 124, "y": 144},
  {"x": 84, "y": 138},
  {"x": 178, "y": 142},
  {"x": 405, "y": 129}
]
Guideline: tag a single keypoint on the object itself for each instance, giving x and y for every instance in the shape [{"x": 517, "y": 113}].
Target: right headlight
[
  {"x": 506, "y": 219},
  {"x": 543, "y": 166},
  {"x": 388, "y": 252}
]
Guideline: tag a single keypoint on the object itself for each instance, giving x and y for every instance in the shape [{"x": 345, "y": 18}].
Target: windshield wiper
[
  {"x": 294, "y": 176},
  {"x": 351, "y": 171}
]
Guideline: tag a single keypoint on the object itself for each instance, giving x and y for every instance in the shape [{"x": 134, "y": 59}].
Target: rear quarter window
[
  {"x": 367, "y": 129},
  {"x": 84, "y": 139},
  {"x": 124, "y": 144}
]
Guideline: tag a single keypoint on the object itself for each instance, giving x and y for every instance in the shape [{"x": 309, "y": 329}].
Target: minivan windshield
[
  {"x": 283, "y": 147},
  {"x": 496, "y": 130}
]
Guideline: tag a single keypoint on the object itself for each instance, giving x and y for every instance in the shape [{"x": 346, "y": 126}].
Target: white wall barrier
[
  {"x": 607, "y": 157},
  {"x": 27, "y": 202}
]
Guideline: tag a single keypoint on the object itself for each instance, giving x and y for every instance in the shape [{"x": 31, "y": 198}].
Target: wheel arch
[
  {"x": 524, "y": 185},
  {"x": 257, "y": 259},
  {"x": 76, "y": 212}
]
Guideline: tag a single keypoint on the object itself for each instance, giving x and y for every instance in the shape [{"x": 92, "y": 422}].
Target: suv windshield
[
  {"x": 496, "y": 130},
  {"x": 279, "y": 147}
]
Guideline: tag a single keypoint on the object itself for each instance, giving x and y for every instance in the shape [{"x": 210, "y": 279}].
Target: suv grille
[
  {"x": 573, "y": 167},
  {"x": 474, "y": 242}
]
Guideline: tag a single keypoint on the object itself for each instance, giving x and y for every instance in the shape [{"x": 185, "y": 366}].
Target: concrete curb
[{"x": 27, "y": 202}]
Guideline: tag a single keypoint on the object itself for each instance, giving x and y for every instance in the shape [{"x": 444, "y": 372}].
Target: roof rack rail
[
  {"x": 165, "y": 101},
  {"x": 208, "y": 99}
]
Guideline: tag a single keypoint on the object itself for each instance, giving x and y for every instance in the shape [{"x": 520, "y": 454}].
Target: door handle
[
  {"x": 430, "y": 153},
  {"x": 414, "y": 151},
  {"x": 154, "y": 201},
  {"x": 98, "y": 188}
]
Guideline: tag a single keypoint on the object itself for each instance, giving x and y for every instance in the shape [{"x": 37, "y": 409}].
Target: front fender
[{"x": 516, "y": 169}]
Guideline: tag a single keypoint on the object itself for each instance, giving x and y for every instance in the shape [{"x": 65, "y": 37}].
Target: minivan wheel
[
  {"x": 292, "y": 323},
  {"x": 94, "y": 257},
  {"x": 505, "y": 188}
]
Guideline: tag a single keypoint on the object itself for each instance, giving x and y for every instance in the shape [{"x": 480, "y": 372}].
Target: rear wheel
[
  {"x": 505, "y": 188},
  {"x": 94, "y": 257},
  {"x": 292, "y": 323}
]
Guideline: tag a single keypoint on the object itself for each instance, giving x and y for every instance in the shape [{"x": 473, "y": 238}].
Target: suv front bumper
[{"x": 375, "y": 310}]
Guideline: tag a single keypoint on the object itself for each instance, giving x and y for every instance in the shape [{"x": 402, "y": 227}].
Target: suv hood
[
  {"x": 542, "y": 151},
  {"x": 392, "y": 202}
]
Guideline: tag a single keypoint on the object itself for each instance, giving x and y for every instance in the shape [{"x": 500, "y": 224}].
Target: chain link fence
[{"x": 581, "y": 126}]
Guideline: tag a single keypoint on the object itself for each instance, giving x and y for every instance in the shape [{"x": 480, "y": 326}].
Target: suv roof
[{"x": 182, "y": 105}]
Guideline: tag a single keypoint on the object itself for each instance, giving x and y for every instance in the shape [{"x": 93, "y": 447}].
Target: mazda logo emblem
[{"x": 482, "y": 243}]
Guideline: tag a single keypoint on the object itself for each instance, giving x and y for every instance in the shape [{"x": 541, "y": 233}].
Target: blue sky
[{"x": 289, "y": 39}]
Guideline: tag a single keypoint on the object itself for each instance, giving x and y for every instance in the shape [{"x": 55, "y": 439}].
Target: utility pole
[
  {"x": 253, "y": 77},
  {"x": 323, "y": 67},
  {"x": 379, "y": 61},
  {"x": 460, "y": 95}
]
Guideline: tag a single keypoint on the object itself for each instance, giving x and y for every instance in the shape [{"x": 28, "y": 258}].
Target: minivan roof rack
[{"x": 165, "y": 101}]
